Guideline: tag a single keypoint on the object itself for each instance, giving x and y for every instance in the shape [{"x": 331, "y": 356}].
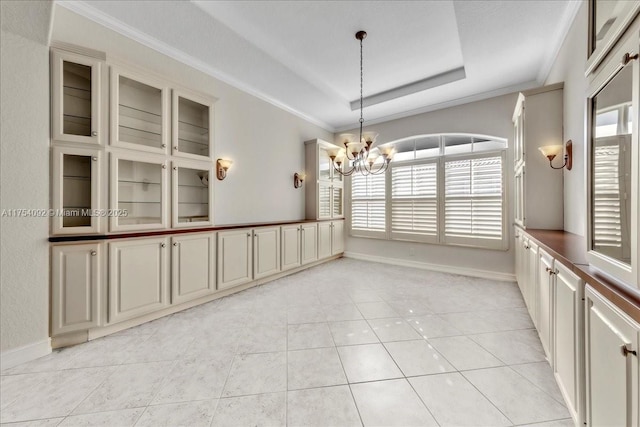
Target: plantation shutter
[
  {"x": 473, "y": 201},
  {"x": 368, "y": 204},
  {"x": 606, "y": 197},
  {"x": 414, "y": 205}
]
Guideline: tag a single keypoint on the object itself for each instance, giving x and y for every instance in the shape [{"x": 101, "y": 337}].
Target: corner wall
[
  {"x": 569, "y": 68},
  {"x": 24, "y": 178},
  {"x": 488, "y": 117}
]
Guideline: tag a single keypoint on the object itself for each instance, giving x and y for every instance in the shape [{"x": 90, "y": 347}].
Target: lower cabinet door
[
  {"x": 568, "y": 339},
  {"x": 324, "y": 239},
  {"x": 193, "y": 261},
  {"x": 337, "y": 237},
  {"x": 76, "y": 272},
  {"x": 544, "y": 301},
  {"x": 611, "y": 338},
  {"x": 235, "y": 258},
  {"x": 532, "y": 279},
  {"x": 309, "y": 243},
  {"x": 138, "y": 277},
  {"x": 266, "y": 252},
  {"x": 290, "y": 246}
]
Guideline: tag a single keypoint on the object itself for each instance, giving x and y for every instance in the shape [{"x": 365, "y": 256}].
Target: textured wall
[
  {"x": 24, "y": 171},
  {"x": 488, "y": 117},
  {"x": 569, "y": 68}
]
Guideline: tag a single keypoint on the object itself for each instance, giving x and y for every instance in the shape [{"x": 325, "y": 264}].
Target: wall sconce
[
  {"x": 551, "y": 151},
  {"x": 222, "y": 166},
  {"x": 298, "y": 179}
]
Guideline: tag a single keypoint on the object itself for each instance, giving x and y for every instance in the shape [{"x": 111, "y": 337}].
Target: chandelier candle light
[{"x": 363, "y": 159}]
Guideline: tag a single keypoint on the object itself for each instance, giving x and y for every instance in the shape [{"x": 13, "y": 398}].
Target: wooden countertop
[
  {"x": 151, "y": 233},
  {"x": 571, "y": 250}
]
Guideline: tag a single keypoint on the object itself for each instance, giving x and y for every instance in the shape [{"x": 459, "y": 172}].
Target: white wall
[
  {"x": 264, "y": 142},
  {"x": 488, "y": 117},
  {"x": 569, "y": 68},
  {"x": 24, "y": 175}
]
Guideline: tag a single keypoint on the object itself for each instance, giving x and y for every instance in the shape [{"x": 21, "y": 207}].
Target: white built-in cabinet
[
  {"x": 290, "y": 242},
  {"x": 309, "y": 243},
  {"x": 139, "y": 111},
  {"x": 193, "y": 125},
  {"x": 568, "y": 337},
  {"x": 193, "y": 266},
  {"x": 132, "y": 162},
  {"x": 266, "y": 252},
  {"x": 330, "y": 238},
  {"x": 76, "y": 287},
  {"x": 76, "y": 97},
  {"x": 612, "y": 376},
  {"x": 77, "y": 190},
  {"x": 544, "y": 301},
  {"x": 324, "y": 187},
  {"x": 554, "y": 295},
  {"x": 139, "y": 192},
  {"x": 138, "y": 277},
  {"x": 537, "y": 122},
  {"x": 235, "y": 257}
]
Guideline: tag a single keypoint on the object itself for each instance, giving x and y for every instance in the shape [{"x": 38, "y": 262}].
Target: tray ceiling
[{"x": 303, "y": 56}]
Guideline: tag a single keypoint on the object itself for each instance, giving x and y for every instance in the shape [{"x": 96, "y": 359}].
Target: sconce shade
[
  {"x": 551, "y": 151},
  {"x": 222, "y": 165},
  {"x": 298, "y": 179}
]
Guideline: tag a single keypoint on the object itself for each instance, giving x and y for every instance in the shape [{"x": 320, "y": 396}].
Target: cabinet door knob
[
  {"x": 626, "y": 350},
  {"x": 95, "y": 159},
  {"x": 248, "y": 234},
  {"x": 94, "y": 253},
  {"x": 163, "y": 245},
  {"x": 175, "y": 243},
  {"x": 175, "y": 147},
  {"x": 627, "y": 57},
  {"x": 175, "y": 168},
  {"x": 94, "y": 133},
  {"x": 164, "y": 166}
]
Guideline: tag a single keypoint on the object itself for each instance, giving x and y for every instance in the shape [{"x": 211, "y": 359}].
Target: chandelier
[{"x": 357, "y": 154}]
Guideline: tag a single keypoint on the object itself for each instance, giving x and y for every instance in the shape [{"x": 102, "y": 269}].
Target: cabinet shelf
[
  {"x": 190, "y": 127},
  {"x": 190, "y": 141},
  {"x": 192, "y": 186},
  {"x": 138, "y": 182},
  {"x": 193, "y": 203},
  {"x": 137, "y": 203},
  {"x": 79, "y": 178}
]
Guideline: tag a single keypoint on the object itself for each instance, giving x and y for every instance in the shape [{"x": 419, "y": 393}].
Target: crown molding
[{"x": 95, "y": 15}]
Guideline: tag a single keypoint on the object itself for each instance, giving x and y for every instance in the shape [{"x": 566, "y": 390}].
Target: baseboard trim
[
  {"x": 472, "y": 272},
  {"x": 17, "y": 356}
]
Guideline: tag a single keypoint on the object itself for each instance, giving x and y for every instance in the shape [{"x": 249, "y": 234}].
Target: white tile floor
[{"x": 345, "y": 343}]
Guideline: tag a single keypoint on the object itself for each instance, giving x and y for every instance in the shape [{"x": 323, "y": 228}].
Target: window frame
[{"x": 440, "y": 160}]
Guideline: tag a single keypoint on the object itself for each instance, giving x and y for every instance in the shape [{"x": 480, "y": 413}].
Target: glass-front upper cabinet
[
  {"x": 613, "y": 162},
  {"x": 608, "y": 20},
  {"x": 76, "y": 97},
  {"x": 193, "y": 124},
  {"x": 192, "y": 193},
  {"x": 76, "y": 186},
  {"x": 139, "y": 112},
  {"x": 139, "y": 192}
]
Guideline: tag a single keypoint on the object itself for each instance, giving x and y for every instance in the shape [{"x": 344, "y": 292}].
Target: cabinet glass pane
[
  {"x": 140, "y": 192},
  {"x": 324, "y": 201},
  {"x": 139, "y": 113},
  {"x": 611, "y": 154},
  {"x": 76, "y": 101},
  {"x": 337, "y": 201},
  {"x": 606, "y": 16},
  {"x": 76, "y": 191},
  {"x": 193, "y": 195},
  {"x": 193, "y": 127},
  {"x": 324, "y": 165}
]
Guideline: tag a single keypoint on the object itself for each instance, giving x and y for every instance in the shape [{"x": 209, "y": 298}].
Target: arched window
[{"x": 443, "y": 189}]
